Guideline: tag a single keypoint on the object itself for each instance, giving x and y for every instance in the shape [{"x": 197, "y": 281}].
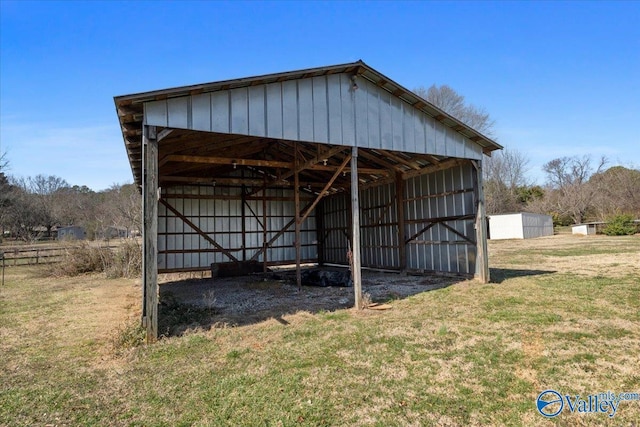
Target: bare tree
[
  {"x": 450, "y": 101},
  {"x": 505, "y": 181},
  {"x": 569, "y": 192},
  {"x": 616, "y": 191}
]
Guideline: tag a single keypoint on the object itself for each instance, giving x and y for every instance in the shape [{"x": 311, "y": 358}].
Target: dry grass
[{"x": 564, "y": 315}]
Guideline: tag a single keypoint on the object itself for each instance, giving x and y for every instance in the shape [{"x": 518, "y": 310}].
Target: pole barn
[{"x": 334, "y": 164}]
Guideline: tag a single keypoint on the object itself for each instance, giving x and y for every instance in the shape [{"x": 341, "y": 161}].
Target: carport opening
[{"x": 192, "y": 302}]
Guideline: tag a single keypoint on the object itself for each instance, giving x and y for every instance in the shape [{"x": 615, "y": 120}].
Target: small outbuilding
[
  {"x": 72, "y": 232},
  {"x": 522, "y": 225},
  {"x": 586, "y": 229}
]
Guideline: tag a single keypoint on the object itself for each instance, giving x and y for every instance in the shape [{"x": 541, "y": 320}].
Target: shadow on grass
[
  {"x": 499, "y": 275},
  {"x": 210, "y": 303}
]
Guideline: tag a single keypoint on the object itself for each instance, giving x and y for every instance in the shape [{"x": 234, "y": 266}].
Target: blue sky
[{"x": 559, "y": 78}]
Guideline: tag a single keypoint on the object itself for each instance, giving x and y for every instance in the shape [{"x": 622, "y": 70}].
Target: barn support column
[
  {"x": 296, "y": 192},
  {"x": 482, "y": 259},
  {"x": 150, "y": 230},
  {"x": 402, "y": 245},
  {"x": 264, "y": 224},
  {"x": 355, "y": 230}
]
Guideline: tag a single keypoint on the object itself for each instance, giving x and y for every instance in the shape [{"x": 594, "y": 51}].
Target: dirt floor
[{"x": 250, "y": 299}]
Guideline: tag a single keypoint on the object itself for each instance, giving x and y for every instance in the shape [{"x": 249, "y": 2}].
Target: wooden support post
[
  {"x": 243, "y": 213},
  {"x": 355, "y": 230},
  {"x": 296, "y": 192},
  {"x": 320, "y": 233},
  {"x": 402, "y": 246},
  {"x": 264, "y": 224},
  {"x": 482, "y": 258},
  {"x": 150, "y": 230}
]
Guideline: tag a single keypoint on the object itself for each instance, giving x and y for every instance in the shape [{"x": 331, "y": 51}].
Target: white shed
[
  {"x": 584, "y": 229},
  {"x": 522, "y": 225}
]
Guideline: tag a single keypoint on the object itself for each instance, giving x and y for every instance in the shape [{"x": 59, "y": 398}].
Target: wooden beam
[
  {"x": 296, "y": 192},
  {"x": 326, "y": 187},
  {"x": 456, "y": 232},
  {"x": 198, "y": 230},
  {"x": 401, "y": 160},
  {"x": 150, "y": 230},
  {"x": 243, "y": 224},
  {"x": 210, "y": 160},
  {"x": 274, "y": 238},
  {"x": 445, "y": 164},
  {"x": 367, "y": 171},
  {"x": 482, "y": 259},
  {"x": 355, "y": 231},
  {"x": 382, "y": 162},
  {"x": 402, "y": 250},
  {"x": 164, "y": 133},
  {"x": 320, "y": 157},
  {"x": 264, "y": 224}
]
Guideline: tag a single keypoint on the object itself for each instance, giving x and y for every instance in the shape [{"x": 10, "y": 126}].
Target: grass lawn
[{"x": 563, "y": 313}]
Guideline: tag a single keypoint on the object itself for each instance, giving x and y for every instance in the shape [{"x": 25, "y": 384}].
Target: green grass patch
[{"x": 469, "y": 354}]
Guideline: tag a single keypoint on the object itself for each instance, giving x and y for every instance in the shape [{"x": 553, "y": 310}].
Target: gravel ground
[{"x": 249, "y": 299}]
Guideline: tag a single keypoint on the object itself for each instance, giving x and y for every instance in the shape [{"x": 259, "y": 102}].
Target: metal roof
[{"x": 130, "y": 108}]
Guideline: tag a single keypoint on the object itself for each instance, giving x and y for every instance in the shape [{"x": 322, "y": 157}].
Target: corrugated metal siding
[
  {"x": 447, "y": 193},
  {"x": 221, "y": 219},
  {"x": 337, "y": 228},
  {"x": 536, "y": 225},
  {"x": 441, "y": 194},
  {"x": 323, "y": 109},
  {"x": 522, "y": 225},
  {"x": 379, "y": 227}
]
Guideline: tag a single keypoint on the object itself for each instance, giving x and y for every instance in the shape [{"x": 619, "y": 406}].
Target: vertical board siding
[
  {"x": 324, "y": 109},
  {"x": 221, "y": 220},
  {"x": 446, "y": 193}
]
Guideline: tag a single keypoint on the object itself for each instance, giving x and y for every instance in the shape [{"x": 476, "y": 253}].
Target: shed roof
[{"x": 130, "y": 108}]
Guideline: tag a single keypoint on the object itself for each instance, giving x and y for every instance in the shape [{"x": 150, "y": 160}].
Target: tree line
[
  {"x": 31, "y": 207},
  {"x": 577, "y": 189}
]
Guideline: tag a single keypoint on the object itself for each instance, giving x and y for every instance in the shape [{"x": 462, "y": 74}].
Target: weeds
[
  {"x": 128, "y": 336},
  {"x": 124, "y": 261}
]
